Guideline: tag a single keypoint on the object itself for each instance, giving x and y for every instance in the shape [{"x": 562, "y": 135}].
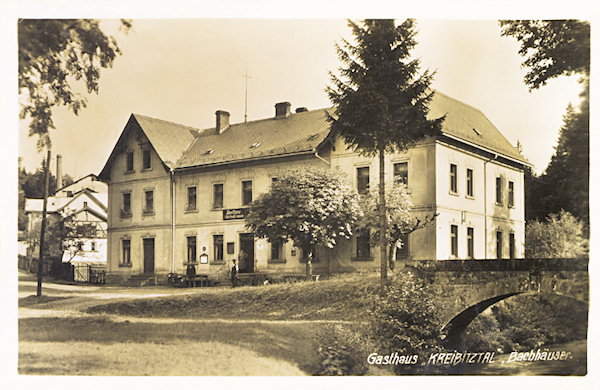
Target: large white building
[{"x": 177, "y": 194}]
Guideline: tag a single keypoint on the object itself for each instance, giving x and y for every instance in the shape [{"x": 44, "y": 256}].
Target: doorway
[
  {"x": 246, "y": 255},
  {"x": 148, "y": 255}
]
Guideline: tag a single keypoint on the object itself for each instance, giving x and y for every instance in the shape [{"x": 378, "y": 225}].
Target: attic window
[
  {"x": 209, "y": 151},
  {"x": 476, "y": 131},
  {"x": 255, "y": 145}
]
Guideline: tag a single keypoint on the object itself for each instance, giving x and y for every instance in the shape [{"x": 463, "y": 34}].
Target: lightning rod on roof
[{"x": 245, "y": 75}]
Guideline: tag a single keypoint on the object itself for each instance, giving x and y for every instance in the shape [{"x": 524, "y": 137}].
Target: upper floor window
[
  {"x": 148, "y": 201},
  {"x": 191, "y": 249},
  {"x": 246, "y": 192},
  {"x": 469, "y": 182},
  {"x": 126, "y": 208},
  {"x": 453, "y": 179},
  {"x": 454, "y": 240},
  {"x": 499, "y": 190},
  {"x": 362, "y": 179},
  {"x": 499, "y": 244},
  {"x": 129, "y": 161},
  {"x": 511, "y": 194},
  {"x": 93, "y": 245},
  {"x": 470, "y": 242},
  {"x": 191, "y": 198},
  {"x": 146, "y": 159},
  {"x": 218, "y": 196},
  {"x": 401, "y": 173}
]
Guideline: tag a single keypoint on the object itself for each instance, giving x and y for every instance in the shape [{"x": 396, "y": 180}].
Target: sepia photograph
[{"x": 274, "y": 196}]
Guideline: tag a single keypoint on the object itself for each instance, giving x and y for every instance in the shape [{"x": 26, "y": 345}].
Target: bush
[
  {"x": 561, "y": 235},
  {"x": 342, "y": 351},
  {"x": 405, "y": 319}
]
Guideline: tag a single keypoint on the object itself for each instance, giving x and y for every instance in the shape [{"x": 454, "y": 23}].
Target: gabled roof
[
  {"x": 300, "y": 132},
  {"x": 168, "y": 139},
  {"x": 469, "y": 124},
  {"x": 94, "y": 177},
  {"x": 181, "y": 146}
]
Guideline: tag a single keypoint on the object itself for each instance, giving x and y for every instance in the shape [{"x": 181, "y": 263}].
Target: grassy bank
[{"x": 340, "y": 298}]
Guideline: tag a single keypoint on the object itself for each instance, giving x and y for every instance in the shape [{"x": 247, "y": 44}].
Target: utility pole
[
  {"x": 246, "y": 96},
  {"x": 43, "y": 228}
]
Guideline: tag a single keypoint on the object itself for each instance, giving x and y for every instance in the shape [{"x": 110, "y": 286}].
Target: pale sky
[{"x": 183, "y": 70}]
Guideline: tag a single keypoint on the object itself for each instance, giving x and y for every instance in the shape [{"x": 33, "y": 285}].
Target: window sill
[
  {"x": 147, "y": 213},
  {"x": 470, "y": 197},
  {"x": 499, "y": 204},
  {"x": 217, "y": 208},
  {"x": 129, "y": 172},
  {"x": 190, "y": 211},
  {"x": 125, "y": 265},
  {"x": 452, "y": 193},
  {"x": 277, "y": 261},
  {"x": 125, "y": 216},
  {"x": 146, "y": 169},
  {"x": 511, "y": 207},
  {"x": 217, "y": 262},
  {"x": 361, "y": 259}
]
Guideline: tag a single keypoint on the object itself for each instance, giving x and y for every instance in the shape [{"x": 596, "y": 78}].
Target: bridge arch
[{"x": 455, "y": 327}]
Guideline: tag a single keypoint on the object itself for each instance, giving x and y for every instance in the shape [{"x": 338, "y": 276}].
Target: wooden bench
[{"x": 197, "y": 281}]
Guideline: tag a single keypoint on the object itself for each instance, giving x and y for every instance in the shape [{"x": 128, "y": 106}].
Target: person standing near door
[{"x": 234, "y": 272}]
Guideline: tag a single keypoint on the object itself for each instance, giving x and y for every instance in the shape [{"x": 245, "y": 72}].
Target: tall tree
[
  {"x": 551, "y": 48},
  {"x": 310, "y": 207},
  {"x": 52, "y": 54},
  {"x": 381, "y": 99}
]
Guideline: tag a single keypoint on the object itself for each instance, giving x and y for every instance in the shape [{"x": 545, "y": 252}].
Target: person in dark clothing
[
  {"x": 191, "y": 274},
  {"x": 234, "y": 272}
]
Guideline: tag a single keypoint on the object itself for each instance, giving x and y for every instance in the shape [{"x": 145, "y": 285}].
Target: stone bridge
[{"x": 465, "y": 288}]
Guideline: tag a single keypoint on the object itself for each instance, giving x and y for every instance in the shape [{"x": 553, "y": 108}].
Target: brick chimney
[
  {"x": 282, "y": 110},
  {"x": 222, "y": 121},
  {"x": 59, "y": 172}
]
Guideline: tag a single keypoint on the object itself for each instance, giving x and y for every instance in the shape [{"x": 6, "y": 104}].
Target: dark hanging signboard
[{"x": 229, "y": 214}]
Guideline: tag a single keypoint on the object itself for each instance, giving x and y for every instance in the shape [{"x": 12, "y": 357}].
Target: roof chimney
[
  {"x": 222, "y": 121},
  {"x": 59, "y": 172},
  {"x": 282, "y": 110}
]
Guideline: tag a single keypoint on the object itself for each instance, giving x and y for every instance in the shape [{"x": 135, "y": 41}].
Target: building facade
[{"x": 178, "y": 194}]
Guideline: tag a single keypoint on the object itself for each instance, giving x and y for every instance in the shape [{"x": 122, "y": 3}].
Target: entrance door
[
  {"x": 148, "y": 255},
  {"x": 246, "y": 256}
]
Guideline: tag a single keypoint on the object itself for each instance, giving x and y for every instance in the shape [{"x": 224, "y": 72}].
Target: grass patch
[
  {"x": 343, "y": 297},
  {"x": 281, "y": 341},
  {"x": 35, "y": 300}
]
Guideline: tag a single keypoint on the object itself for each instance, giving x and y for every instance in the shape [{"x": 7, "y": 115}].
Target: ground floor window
[
  {"x": 277, "y": 250},
  {"x": 363, "y": 245},
  {"x": 126, "y": 245},
  {"x": 498, "y": 244},
  {"x": 218, "y": 247},
  {"x": 470, "y": 243},
  {"x": 403, "y": 251},
  {"x": 454, "y": 240},
  {"x": 191, "y": 249},
  {"x": 511, "y": 247}
]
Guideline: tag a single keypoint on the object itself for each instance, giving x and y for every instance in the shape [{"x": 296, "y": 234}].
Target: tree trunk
[
  {"x": 43, "y": 227},
  {"x": 382, "y": 219}
]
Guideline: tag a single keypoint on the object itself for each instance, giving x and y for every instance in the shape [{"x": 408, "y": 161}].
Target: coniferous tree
[{"x": 381, "y": 99}]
